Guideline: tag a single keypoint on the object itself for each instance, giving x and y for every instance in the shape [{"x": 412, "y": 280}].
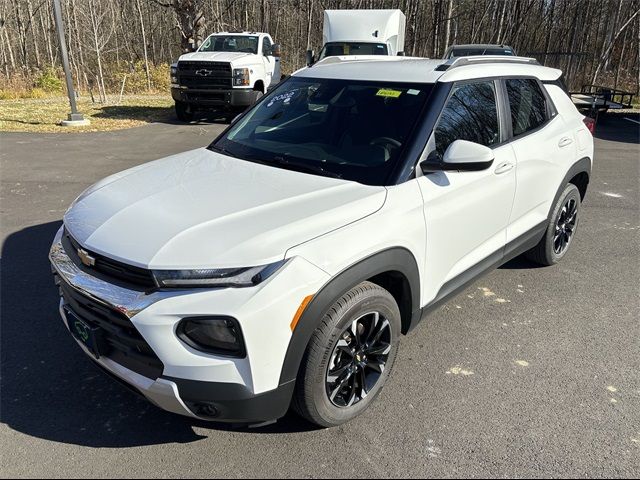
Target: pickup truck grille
[
  {"x": 108, "y": 269},
  {"x": 123, "y": 343},
  {"x": 205, "y": 75}
]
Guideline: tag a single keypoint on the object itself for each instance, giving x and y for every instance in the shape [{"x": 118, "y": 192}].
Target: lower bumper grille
[{"x": 123, "y": 343}]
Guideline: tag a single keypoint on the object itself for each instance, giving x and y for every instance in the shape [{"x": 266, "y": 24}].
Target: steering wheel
[{"x": 387, "y": 143}]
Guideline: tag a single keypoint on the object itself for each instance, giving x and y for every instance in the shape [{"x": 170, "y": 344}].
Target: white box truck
[{"x": 361, "y": 32}]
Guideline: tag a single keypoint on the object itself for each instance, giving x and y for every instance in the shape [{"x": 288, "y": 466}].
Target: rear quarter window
[{"x": 528, "y": 105}]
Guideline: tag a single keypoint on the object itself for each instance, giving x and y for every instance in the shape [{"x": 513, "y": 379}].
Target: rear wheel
[
  {"x": 183, "y": 111},
  {"x": 349, "y": 357},
  {"x": 560, "y": 230}
]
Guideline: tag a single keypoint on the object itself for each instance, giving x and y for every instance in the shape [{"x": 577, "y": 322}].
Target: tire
[
  {"x": 373, "y": 312},
  {"x": 259, "y": 95},
  {"x": 561, "y": 222},
  {"x": 183, "y": 112}
]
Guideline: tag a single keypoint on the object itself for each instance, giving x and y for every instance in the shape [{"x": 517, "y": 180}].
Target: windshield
[
  {"x": 333, "y": 49},
  {"x": 230, "y": 43},
  {"x": 355, "y": 130}
]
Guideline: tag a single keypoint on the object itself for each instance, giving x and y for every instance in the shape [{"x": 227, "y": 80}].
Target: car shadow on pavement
[
  {"x": 50, "y": 390},
  {"x": 164, "y": 115}
]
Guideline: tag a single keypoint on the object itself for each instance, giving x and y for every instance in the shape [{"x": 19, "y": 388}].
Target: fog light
[{"x": 204, "y": 410}]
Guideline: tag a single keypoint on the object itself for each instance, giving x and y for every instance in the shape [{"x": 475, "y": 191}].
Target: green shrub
[{"x": 49, "y": 81}]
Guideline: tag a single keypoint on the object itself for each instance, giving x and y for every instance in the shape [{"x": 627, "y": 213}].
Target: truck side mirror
[
  {"x": 311, "y": 58},
  {"x": 275, "y": 50}
]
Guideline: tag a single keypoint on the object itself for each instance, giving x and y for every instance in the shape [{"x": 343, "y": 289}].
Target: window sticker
[
  {"x": 413, "y": 92},
  {"x": 283, "y": 97},
  {"x": 387, "y": 92}
]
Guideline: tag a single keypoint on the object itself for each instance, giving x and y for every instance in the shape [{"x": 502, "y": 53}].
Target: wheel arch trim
[
  {"x": 397, "y": 259},
  {"x": 581, "y": 166}
]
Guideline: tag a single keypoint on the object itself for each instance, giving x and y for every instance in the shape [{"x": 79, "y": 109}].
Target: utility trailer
[{"x": 594, "y": 100}]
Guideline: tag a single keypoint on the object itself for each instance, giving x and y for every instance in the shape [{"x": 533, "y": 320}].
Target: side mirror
[
  {"x": 311, "y": 58},
  {"x": 461, "y": 156},
  {"x": 275, "y": 50}
]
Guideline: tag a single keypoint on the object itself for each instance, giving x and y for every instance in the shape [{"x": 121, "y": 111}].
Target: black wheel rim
[
  {"x": 565, "y": 226},
  {"x": 358, "y": 359}
]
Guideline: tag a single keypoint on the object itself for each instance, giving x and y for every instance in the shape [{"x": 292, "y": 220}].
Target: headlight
[
  {"x": 219, "y": 335},
  {"x": 174, "y": 74},
  {"x": 216, "y": 277},
  {"x": 241, "y": 77}
]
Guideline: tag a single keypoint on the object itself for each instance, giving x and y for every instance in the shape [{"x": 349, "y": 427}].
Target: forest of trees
[{"x": 593, "y": 41}]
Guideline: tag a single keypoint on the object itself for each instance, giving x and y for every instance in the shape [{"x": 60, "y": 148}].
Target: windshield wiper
[{"x": 304, "y": 167}]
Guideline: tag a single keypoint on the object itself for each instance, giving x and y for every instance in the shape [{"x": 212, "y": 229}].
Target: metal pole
[{"x": 75, "y": 118}]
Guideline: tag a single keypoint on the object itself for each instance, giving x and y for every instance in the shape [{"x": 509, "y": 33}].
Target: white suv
[{"x": 281, "y": 265}]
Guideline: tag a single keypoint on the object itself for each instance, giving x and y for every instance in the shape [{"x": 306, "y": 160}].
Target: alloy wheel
[
  {"x": 565, "y": 226},
  {"x": 358, "y": 359}
]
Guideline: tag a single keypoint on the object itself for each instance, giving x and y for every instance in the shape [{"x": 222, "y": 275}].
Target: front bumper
[
  {"x": 234, "y": 97},
  {"x": 192, "y": 383}
]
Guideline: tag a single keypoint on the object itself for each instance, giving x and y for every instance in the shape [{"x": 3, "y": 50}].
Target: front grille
[
  {"x": 205, "y": 75},
  {"x": 124, "y": 344},
  {"x": 108, "y": 269},
  {"x": 191, "y": 67}
]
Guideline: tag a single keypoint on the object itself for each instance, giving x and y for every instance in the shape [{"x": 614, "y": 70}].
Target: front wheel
[
  {"x": 349, "y": 357},
  {"x": 183, "y": 111},
  {"x": 560, "y": 230}
]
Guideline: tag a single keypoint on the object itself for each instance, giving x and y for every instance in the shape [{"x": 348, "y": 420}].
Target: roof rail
[{"x": 480, "y": 59}]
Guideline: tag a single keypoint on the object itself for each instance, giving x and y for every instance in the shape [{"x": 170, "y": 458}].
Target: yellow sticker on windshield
[{"x": 387, "y": 92}]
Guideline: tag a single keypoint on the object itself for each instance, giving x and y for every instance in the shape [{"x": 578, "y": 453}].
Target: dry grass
[{"x": 44, "y": 115}]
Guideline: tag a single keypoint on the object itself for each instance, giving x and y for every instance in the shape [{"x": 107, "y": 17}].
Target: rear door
[
  {"x": 466, "y": 213},
  {"x": 543, "y": 145}
]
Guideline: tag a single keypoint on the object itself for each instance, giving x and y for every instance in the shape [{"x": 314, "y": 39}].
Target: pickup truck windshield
[
  {"x": 333, "y": 49},
  {"x": 356, "y": 130},
  {"x": 230, "y": 43}
]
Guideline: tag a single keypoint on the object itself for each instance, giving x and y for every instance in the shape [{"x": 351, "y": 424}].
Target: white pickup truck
[
  {"x": 228, "y": 72},
  {"x": 361, "y": 32}
]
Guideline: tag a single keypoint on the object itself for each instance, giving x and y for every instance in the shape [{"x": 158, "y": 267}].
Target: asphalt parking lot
[{"x": 530, "y": 372}]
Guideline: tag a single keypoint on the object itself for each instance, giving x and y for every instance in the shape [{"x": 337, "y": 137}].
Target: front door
[{"x": 467, "y": 213}]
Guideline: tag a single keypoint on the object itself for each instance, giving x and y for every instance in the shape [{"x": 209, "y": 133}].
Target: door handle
[
  {"x": 565, "y": 141},
  {"x": 504, "y": 167}
]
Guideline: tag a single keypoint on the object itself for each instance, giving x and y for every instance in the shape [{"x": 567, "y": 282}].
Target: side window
[
  {"x": 528, "y": 105},
  {"x": 470, "y": 114},
  {"x": 266, "y": 46}
]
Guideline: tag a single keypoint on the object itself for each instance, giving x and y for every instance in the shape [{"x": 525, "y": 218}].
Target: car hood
[
  {"x": 233, "y": 57},
  {"x": 201, "y": 209}
]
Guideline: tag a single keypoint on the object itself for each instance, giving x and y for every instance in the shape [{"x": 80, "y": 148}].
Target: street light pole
[{"x": 75, "y": 118}]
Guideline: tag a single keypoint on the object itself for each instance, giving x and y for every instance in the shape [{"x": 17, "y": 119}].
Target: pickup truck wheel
[
  {"x": 349, "y": 357},
  {"x": 560, "y": 230},
  {"x": 183, "y": 112}
]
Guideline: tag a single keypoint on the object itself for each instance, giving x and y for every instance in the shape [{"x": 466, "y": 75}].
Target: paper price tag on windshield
[{"x": 387, "y": 92}]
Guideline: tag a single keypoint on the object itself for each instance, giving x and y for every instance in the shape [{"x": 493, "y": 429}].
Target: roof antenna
[{"x": 375, "y": 34}]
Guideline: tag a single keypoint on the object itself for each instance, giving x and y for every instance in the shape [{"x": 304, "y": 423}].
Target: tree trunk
[{"x": 144, "y": 45}]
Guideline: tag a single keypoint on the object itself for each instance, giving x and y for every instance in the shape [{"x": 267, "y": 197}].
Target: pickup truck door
[
  {"x": 466, "y": 213},
  {"x": 271, "y": 64}
]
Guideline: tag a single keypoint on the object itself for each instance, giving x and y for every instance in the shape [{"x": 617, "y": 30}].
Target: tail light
[{"x": 590, "y": 123}]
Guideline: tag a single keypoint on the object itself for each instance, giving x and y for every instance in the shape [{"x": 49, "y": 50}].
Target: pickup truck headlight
[
  {"x": 216, "y": 277},
  {"x": 241, "y": 77},
  {"x": 174, "y": 74}
]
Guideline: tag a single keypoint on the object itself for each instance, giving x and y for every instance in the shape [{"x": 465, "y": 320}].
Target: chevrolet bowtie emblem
[
  {"x": 204, "y": 72},
  {"x": 85, "y": 258}
]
